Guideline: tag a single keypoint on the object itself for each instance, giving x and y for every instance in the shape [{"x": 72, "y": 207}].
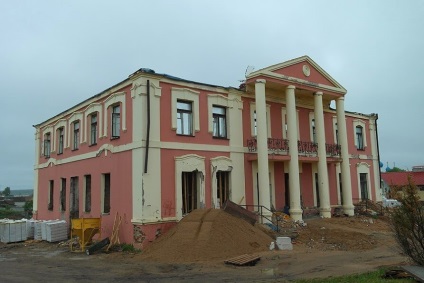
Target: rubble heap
[{"x": 206, "y": 235}]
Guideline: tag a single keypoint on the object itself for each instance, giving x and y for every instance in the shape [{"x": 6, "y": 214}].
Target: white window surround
[
  {"x": 188, "y": 95},
  {"x": 59, "y": 124},
  {"x": 284, "y": 122},
  {"x": 364, "y": 132},
  {"x": 75, "y": 117},
  {"x": 90, "y": 110},
  {"x": 52, "y": 136},
  {"x": 363, "y": 167},
  {"x": 113, "y": 99},
  {"x": 188, "y": 163},
  {"x": 252, "y": 119},
  {"x": 220, "y": 163},
  {"x": 218, "y": 100}
]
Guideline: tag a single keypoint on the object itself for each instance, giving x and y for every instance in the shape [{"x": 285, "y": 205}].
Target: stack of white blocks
[
  {"x": 284, "y": 243},
  {"x": 56, "y": 231},
  {"x": 13, "y": 231},
  {"x": 20, "y": 230}
]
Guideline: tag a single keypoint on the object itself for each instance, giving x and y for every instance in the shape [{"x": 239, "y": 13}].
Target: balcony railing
[
  {"x": 273, "y": 144},
  {"x": 304, "y": 148}
]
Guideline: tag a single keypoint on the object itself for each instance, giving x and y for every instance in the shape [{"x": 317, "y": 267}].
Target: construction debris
[{"x": 114, "y": 239}]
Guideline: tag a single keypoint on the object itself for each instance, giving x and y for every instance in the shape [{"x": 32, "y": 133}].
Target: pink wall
[
  {"x": 279, "y": 185},
  {"x": 168, "y": 134},
  {"x": 125, "y": 136},
  {"x": 332, "y": 183},
  {"x": 306, "y": 184},
  {"x": 121, "y": 190},
  {"x": 297, "y": 72}
]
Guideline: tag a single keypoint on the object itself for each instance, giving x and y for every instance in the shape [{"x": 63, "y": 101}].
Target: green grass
[
  {"x": 370, "y": 277},
  {"x": 129, "y": 248}
]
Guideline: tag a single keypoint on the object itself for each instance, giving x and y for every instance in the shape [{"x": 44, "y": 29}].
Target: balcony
[{"x": 281, "y": 146}]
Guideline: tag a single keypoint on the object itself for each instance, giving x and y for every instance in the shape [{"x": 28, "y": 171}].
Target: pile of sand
[{"x": 206, "y": 235}]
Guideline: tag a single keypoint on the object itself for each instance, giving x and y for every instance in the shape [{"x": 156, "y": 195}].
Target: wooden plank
[
  {"x": 245, "y": 259},
  {"x": 240, "y": 212}
]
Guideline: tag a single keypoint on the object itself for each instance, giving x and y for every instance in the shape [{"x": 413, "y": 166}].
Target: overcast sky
[{"x": 54, "y": 54}]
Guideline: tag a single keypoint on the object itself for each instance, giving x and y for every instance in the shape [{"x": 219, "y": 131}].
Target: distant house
[
  {"x": 154, "y": 147},
  {"x": 399, "y": 179}
]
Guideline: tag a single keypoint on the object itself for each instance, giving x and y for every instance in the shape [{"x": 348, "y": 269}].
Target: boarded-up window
[
  {"x": 51, "y": 188},
  {"x": 106, "y": 193},
  {"x": 63, "y": 194},
  {"x": 87, "y": 203}
]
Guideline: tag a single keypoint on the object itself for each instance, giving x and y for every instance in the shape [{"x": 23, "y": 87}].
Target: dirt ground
[{"x": 324, "y": 248}]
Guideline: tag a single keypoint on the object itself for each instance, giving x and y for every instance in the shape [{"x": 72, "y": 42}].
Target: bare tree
[{"x": 408, "y": 223}]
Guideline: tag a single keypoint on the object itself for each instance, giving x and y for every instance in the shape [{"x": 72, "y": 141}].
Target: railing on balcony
[
  {"x": 273, "y": 144},
  {"x": 304, "y": 148},
  {"x": 333, "y": 149},
  {"x": 307, "y": 147}
]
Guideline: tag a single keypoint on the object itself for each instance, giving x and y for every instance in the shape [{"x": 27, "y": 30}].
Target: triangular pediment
[{"x": 302, "y": 69}]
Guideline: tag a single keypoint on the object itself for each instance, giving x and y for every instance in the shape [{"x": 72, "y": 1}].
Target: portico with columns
[{"x": 297, "y": 147}]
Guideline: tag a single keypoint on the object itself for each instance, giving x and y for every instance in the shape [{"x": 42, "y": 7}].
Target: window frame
[
  {"x": 63, "y": 194},
  {"x": 50, "y": 203},
  {"x": 184, "y": 113},
  {"x": 93, "y": 128},
  {"x": 217, "y": 117},
  {"x": 76, "y": 134},
  {"x": 115, "y": 121},
  {"x": 87, "y": 193},
  {"x": 359, "y": 137},
  {"x": 61, "y": 140},
  {"x": 47, "y": 145}
]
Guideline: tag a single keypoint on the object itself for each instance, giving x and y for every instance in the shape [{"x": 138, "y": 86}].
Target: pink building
[{"x": 154, "y": 147}]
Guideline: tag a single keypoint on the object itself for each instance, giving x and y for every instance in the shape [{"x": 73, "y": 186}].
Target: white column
[
  {"x": 262, "y": 144},
  {"x": 324, "y": 191},
  {"x": 375, "y": 160},
  {"x": 294, "y": 182},
  {"x": 37, "y": 158},
  {"x": 348, "y": 207}
]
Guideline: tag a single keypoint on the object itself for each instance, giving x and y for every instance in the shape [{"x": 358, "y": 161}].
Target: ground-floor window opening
[
  {"x": 341, "y": 188},
  {"x": 87, "y": 195},
  {"x": 106, "y": 193},
  {"x": 63, "y": 194},
  {"x": 317, "y": 189},
  {"x": 363, "y": 179},
  {"x": 223, "y": 187},
  {"x": 189, "y": 191},
  {"x": 74, "y": 198},
  {"x": 51, "y": 188},
  {"x": 286, "y": 191}
]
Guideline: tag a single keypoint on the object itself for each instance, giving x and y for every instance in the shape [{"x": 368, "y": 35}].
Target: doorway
[{"x": 190, "y": 195}]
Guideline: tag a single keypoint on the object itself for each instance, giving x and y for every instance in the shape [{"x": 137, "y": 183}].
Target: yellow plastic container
[{"x": 85, "y": 229}]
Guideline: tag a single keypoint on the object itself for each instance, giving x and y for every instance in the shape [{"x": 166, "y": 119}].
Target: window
[
  {"x": 363, "y": 179},
  {"x": 314, "y": 131},
  {"x": 47, "y": 145},
  {"x": 255, "y": 124},
  {"x": 60, "y": 148},
  {"x": 336, "y": 129},
  {"x": 359, "y": 138},
  {"x": 223, "y": 187},
  {"x": 189, "y": 191},
  {"x": 63, "y": 194},
  {"x": 219, "y": 122},
  {"x": 76, "y": 134},
  {"x": 50, "y": 203},
  {"x": 87, "y": 195},
  {"x": 74, "y": 198},
  {"x": 106, "y": 193},
  {"x": 184, "y": 118},
  {"x": 116, "y": 121},
  {"x": 93, "y": 130}
]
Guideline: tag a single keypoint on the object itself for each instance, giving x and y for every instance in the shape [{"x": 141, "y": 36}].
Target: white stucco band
[
  {"x": 220, "y": 163},
  {"x": 189, "y": 95},
  {"x": 188, "y": 163}
]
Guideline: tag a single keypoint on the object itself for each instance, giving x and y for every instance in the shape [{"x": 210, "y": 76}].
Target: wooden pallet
[{"x": 242, "y": 260}]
